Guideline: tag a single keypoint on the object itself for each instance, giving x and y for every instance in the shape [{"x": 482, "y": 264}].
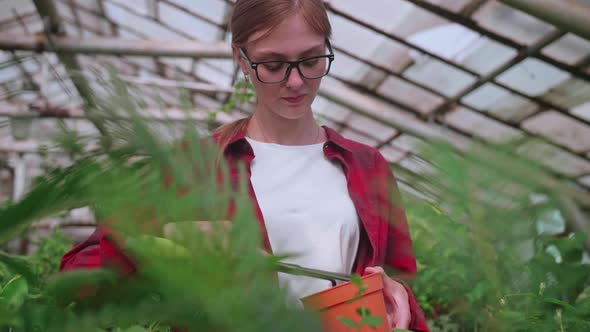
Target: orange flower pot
[{"x": 336, "y": 302}]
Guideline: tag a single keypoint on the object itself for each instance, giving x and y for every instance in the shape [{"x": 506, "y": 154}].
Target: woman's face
[{"x": 292, "y": 40}]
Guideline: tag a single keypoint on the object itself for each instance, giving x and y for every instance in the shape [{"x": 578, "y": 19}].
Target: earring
[{"x": 246, "y": 83}]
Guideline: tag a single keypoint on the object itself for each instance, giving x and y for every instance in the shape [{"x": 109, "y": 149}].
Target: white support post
[{"x": 20, "y": 168}]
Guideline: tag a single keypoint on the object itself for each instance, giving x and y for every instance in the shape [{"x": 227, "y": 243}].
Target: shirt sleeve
[
  {"x": 99, "y": 250},
  {"x": 399, "y": 253}
]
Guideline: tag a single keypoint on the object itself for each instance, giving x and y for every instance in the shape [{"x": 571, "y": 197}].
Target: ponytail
[{"x": 224, "y": 133}]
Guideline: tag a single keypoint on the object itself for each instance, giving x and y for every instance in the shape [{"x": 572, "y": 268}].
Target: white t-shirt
[{"x": 307, "y": 212}]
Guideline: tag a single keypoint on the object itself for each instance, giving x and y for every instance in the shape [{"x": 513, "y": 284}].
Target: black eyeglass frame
[{"x": 254, "y": 65}]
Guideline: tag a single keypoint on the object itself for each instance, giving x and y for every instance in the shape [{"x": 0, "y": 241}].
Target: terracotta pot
[{"x": 336, "y": 302}]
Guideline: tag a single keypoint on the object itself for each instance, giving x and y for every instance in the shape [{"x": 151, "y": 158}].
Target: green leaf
[
  {"x": 356, "y": 280},
  {"x": 362, "y": 311},
  {"x": 69, "y": 283},
  {"x": 13, "y": 295},
  {"x": 211, "y": 117},
  {"x": 135, "y": 328},
  {"x": 372, "y": 321},
  {"x": 19, "y": 265},
  {"x": 346, "y": 321},
  {"x": 558, "y": 302}
]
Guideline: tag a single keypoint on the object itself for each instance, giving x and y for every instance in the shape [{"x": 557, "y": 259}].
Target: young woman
[{"x": 330, "y": 201}]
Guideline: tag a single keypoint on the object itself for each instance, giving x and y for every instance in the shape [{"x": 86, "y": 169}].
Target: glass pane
[
  {"x": 439, "y": 76},
  {"x": 512, "y": 23},
  {"x": 533, "y": 77},
  {"x": 560, "y": 129},
  {"x": 569, "y": 49},
  {"x": 410, "y": 94},
  {"x": 570, "y": 93},
  {"x": 478, "y": 125},
  {"x": 188, "y": 24},
  {"x": 500, "y": 102},
  {"x": 370, "y": 127},
  {"x": 322, "y": 107},
  {"x": 582, "y": 111},
  {"x": 555, "y": 158},
  {"x": 214, "y": 10}
]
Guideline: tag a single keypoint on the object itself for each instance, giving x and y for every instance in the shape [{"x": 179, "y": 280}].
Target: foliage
[
  {"x": 24, "y": 278},
  {"x": 243, "y": 94},
  {"x": 484, "y": 262}
]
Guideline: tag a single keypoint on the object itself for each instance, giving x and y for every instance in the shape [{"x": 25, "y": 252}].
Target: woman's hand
[{"x": 396, "y": 300}]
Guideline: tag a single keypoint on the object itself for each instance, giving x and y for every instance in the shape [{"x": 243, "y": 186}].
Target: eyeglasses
[{"x": 277, "y": 71}]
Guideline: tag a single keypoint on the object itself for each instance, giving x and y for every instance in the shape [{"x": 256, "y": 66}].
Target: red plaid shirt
[{"x": 384, "y": 241}]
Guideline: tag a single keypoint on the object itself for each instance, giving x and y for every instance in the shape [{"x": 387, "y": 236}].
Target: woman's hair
[{"x": 252, "y": 16}]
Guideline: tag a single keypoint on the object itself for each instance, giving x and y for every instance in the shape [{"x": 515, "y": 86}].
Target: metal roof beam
[
  {"x": 44, "y": 110},
  {"x": 115, "y": 46}
]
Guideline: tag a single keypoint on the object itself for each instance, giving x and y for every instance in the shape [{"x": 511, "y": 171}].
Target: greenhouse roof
[{"x": 405, "y": 70}]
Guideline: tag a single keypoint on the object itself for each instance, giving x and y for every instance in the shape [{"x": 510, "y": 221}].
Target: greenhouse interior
[{"x": 481, "y": 109}]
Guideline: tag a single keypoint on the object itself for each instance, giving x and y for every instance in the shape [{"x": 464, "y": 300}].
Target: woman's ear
[{"x": 239, "y": 59}]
